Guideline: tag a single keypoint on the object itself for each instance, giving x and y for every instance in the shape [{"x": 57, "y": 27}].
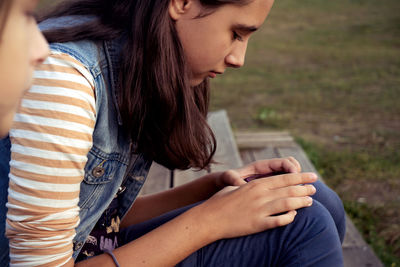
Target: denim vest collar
[{"x": 112, "y": 49}]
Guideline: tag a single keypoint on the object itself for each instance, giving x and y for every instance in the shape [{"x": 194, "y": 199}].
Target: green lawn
[{"x": 329, "y": 72}]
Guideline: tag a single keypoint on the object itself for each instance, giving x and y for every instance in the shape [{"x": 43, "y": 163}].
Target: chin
[{"x": 196, "y": 82}]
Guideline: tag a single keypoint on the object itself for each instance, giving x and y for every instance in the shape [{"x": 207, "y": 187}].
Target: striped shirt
[{"x": 51, "y": 136}]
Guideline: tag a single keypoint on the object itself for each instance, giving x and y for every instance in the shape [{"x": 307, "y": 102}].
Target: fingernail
[
  {"x": 313, "y": 175},
  {"x": 313, "y": 189},
  {"x": 309, "y": 201}
]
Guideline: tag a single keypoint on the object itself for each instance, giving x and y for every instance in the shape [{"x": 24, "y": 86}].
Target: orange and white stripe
[{"x": 51, "y": 136}]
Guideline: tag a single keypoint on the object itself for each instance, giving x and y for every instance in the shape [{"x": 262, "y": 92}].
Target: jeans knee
[
  {"x": 317, "y": 218},
  {"x": 332, "y": 202},
  {"x": 313, "y": 239}
]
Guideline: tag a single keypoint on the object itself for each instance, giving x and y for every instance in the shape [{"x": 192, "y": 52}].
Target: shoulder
[{"x": 89, "y": 53}]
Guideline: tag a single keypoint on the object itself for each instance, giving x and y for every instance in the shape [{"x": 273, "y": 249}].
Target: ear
[{"x": 177, "y": 8}]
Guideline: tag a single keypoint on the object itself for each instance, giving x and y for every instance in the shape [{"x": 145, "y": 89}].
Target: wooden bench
[{"x": 254, "y": 146}]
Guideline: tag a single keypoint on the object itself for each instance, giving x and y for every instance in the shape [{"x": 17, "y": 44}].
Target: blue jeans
[{"x": 313, "y": 239}]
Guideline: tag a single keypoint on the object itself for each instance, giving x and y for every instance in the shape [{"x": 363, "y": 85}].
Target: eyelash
[{"x": 237, "y": 36}]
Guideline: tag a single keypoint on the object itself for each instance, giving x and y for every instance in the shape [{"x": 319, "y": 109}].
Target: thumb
[{"x": 234, "y": 178}]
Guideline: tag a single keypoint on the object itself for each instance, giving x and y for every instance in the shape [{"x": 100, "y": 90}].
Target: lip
[{"x": 213, "y": 74}]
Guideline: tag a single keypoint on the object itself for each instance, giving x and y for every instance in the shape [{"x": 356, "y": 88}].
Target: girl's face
[
  {"x": 22, "y": 47},
  {"x": 218, "y": 40}
]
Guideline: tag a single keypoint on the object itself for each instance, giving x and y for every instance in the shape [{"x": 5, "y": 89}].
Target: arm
[
  {"x": 150, "y": 206},
  {"x": 153, "y": 205},
  {"x": 51, "y": 136}
]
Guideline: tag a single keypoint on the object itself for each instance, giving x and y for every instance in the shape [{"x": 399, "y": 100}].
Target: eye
[{"x": 236, "y": 36}]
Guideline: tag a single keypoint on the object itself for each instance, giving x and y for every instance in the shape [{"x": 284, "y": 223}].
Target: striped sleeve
[{"x": 51, "y": 136}]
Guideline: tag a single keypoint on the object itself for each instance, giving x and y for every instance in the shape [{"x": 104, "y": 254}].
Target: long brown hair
[{"x": 164, "y": 115}]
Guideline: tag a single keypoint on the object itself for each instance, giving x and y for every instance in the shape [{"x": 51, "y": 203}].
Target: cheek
[
  {"x": 15, "y": 67},
  {"x": 14, "y": 82},
  {"x": 208, "y": 45},
  {"x": 24, "y": 64},
  {"x": 210, "y": 55}
]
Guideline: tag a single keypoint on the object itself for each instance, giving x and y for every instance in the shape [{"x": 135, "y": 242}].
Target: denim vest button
[{"x": 98, "y": 171}]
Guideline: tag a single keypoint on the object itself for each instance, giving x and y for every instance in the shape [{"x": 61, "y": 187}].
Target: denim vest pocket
[{"x": 101, "y": 169}]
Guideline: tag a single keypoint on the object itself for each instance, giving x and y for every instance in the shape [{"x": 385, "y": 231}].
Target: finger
[
  {"x": 269, "y": 166},
  {"x": 280, "y": 220},
  {"x": 238, "y": 181},
  {"x": 288, "y": 179},
  {"x": 285, "y": 165},
  {"x": 256, "y": 167},
  {"x": 286, "y": 204},
  {"x": 295, "y": 163},
  {"x": 293, "y": 191},
  {"x": 232, "y": 177},
  {"x": 290, "y": 165}
]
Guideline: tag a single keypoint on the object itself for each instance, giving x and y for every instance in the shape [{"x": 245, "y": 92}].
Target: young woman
[{"x": 127, "y": 83}]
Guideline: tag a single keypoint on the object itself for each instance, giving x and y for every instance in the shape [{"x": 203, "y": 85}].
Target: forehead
[{"x": 253, "y": 13}]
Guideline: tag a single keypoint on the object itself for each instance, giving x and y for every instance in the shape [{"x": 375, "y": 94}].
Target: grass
[{"x": 329, "y": 72}]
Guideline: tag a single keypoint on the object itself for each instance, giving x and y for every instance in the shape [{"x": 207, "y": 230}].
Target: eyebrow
[{"x": 245, "y": 28}]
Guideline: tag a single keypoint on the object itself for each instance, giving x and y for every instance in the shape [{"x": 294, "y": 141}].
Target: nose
[
  {"x": 235, "y": 59},
  {"x": 39, "y": 48}
]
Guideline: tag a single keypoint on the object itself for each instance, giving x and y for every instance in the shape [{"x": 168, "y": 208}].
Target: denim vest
[{"x": 111, "y": 167}]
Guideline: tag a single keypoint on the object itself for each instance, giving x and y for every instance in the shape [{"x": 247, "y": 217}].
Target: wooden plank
[
  {"x": 158, "y": 179},
  {"x": 247, "y": 156},
  {"x": 265, "y": 153},
  {"x": 182, "y": 177},
  {"x": 261, "y": 139},
  {"x": 227, "y": 154},
  {"x": 353, "y": 238},
  {"x": 250, "y": 155},
  {"x": 356, "y": 251},
  {"x": 360, "y": 257}
]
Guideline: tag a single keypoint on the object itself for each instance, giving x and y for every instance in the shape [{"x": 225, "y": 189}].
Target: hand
[
  {"x": 257, "y": 169},
  {"x": 258, "y": 205}
]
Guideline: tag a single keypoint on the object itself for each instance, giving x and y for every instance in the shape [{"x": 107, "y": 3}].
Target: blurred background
[{"x": 329, "y": 73}]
